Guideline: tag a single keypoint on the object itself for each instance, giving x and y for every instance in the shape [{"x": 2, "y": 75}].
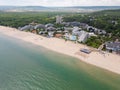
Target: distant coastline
[{"x": 106, "y": 61}]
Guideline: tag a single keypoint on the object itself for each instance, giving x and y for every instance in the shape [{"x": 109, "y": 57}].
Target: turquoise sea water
[{"x": 24, "y": 66}]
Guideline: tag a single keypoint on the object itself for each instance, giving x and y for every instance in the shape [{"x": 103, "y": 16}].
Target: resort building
[
  {"x": 76, "y": 31},
  {"x": 49, "y": 25},
  {"x": 59, "y": 19},
  {"x": 75, "y": 24},
  {"x": 51, "y": 34},
  {"x": 92, "y": 34},
  {"x": 27, "y": 27},
  {"x": 39, "y": 26},
  {"x": 83, "y": 36},
  {"x": 113, "y": 47},
  {"x": 50, "y": 29}
]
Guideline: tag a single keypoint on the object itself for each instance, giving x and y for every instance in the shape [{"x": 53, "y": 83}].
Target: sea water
[{"x": 25, "y": 66}]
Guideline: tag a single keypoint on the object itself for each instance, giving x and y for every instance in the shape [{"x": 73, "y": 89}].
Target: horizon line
[{"x": 60, "y": 6}]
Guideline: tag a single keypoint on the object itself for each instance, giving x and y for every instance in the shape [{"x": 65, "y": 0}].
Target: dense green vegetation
[
  {"x": 18, "y": 19},
  {"x": 97, "y": 41},
  {"x": 94, "y": 41}
]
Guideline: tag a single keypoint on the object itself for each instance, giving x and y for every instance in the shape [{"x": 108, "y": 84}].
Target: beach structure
[
  {"x": 59, "y": 19},
  {"x": 85, "y": 51}
]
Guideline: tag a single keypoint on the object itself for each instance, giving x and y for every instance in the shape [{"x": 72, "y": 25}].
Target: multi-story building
[{"x": 59, "y": 19}]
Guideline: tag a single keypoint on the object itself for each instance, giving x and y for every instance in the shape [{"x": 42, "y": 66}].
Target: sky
[{"x": 54, "y": 3}]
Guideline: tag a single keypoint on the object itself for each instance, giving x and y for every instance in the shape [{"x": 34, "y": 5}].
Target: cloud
[{"x": 61, "y": 2}]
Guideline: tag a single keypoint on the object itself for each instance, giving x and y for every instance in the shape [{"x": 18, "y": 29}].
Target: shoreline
[{"x": 108, "y": 61}]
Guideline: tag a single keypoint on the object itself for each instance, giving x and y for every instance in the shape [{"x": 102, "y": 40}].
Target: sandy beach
[{"x": 106, "y": 61}]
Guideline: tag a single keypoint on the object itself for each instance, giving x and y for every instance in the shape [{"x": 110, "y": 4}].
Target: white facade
[
  {"x": 92, "y": 34},
  {"x": 76, "y": 31},
  {"x": 59, "y": 19},
  {"x": 83, "y": 36}
]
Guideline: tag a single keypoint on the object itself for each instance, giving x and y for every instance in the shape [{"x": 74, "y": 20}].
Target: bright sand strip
[{"x": 108, "y": 61}]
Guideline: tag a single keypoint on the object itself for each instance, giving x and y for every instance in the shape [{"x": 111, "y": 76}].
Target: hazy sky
[{"x": 61, "y": 2}]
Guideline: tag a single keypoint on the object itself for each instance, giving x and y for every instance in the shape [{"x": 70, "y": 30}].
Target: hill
[{"x": 57, "y": 9}]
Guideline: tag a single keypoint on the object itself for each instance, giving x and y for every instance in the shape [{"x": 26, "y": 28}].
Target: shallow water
[{"x": 24, "y": 66}]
